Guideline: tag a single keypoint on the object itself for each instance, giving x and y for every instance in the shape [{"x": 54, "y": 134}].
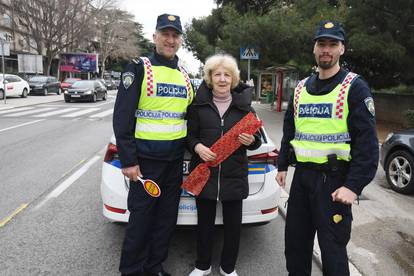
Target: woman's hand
[
  {"x": 246, "y": 139},
  {"x": 204, "y": 152}
]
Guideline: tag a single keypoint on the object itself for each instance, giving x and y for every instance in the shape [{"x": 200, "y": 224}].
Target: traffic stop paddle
[{"x": 149, "y": 186}]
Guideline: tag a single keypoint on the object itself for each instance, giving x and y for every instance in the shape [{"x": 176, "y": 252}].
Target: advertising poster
[
  {"x": 266, "y": 85},
  {"x": 78, "y": 62}
]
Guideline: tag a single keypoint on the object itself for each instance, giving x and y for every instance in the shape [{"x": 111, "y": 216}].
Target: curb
[
  {"x": 10, "y": 106},
  {"x": 284, "y": 196}
]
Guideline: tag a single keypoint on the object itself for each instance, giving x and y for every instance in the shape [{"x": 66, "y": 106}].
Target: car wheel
[
  {"x": 45, "y": 92},
  {"x": 1, "y": 95},
  {"x": 59, "y": 91},
  {"x": 399, "y": 172},
  {"x": 67, "y": 100},
  {"x": 93, "y": 99},
  {"x": 24, "y": 93},
  {"x": 105, "y": 96}
]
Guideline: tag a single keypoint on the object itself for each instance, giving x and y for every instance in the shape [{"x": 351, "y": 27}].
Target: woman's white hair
[{"x": 225, "y": 60}]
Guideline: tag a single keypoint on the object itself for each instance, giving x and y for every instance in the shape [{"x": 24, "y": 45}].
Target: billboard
[
  {"x": 78, "y": 62},
  {"x": 30, "y": 63}
]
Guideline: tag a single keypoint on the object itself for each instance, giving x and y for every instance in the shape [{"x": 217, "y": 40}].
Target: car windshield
[
  {"x": 70, "y": 80},
  {"x": 38, "y": 79},
  {"x": 83, "y": 84}
]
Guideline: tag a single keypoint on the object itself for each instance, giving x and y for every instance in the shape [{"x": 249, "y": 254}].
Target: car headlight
[
  {"x": 88, "y": 92},
  {"x": 388, "y": 137}
]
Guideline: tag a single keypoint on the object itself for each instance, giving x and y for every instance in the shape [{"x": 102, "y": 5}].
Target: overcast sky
[{"x": 146, "y": 13}]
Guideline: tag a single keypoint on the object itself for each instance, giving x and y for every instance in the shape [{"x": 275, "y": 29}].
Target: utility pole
[{"x": 4, "y": 39}]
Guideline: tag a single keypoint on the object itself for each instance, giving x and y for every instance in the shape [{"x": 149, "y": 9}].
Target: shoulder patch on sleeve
[
  {"x": 127, "y": 79},
  {"x": 369, "y": 103}
]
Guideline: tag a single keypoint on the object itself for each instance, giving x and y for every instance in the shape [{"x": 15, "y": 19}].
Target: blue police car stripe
[
  {"x": 159, "y": 114},
  {"x": 253, "y": 168},
  {"x": 323, "y": 138},
  {"x": 323, "y": 110},
  {"x": 116, "y": 163},
  {"x": 260, "y": 168}
]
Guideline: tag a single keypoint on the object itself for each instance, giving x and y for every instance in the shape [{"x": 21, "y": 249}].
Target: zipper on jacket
[{"x": 219, "y": 172}]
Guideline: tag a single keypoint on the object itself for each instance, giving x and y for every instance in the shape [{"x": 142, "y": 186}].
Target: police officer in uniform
[
  {"x": 329, "y": 132},
  {"x": 150, "y": 132}
]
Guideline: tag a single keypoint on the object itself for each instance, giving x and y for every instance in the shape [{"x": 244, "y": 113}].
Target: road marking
[
  {"x": 25, "y": 124},
  {"x": 15, "y": 110},
  {"x": 102, "y": 114},
  {"x": 12, "y": 215},
  {"x": 79, "y": 113},
  {"x": 51, "y": 113},
  {"x": 7, "y": 107},
  {"x": 28, "y": 112},
  {"x": 69, "y": 181}
]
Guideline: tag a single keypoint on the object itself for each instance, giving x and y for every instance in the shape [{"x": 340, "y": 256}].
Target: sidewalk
[{"x": 13, "y": 102}]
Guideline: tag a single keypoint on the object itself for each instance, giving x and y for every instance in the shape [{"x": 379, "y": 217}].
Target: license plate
[
  {"x": 75, "y": 96},
  {"x": 186, "y": 167}
]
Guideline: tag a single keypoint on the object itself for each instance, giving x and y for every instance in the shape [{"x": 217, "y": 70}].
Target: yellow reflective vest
[
  {"x": 321, "y": 123},
  {"x": 165, "y": 95}
]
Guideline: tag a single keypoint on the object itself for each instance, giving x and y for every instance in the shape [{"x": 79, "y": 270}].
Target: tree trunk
[
  {"x": 103, "y": 66},
  {"x": 48, "y": 65}
]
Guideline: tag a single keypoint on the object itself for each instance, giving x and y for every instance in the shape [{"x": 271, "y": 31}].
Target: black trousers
[
  {"x": 232, "y": 217},
  {"x": 310, "y": 210},
  {"x": 152, "y": 220}
]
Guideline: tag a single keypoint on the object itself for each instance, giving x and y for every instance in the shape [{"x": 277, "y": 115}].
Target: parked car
[
  {"x": 66, "y": 83},
  {"x": 44, "y": 85},
  {"x": 15, "y": 86},
  {"x": 397, "y": 159},
  {"x": 110, "y": 84},
  {"x": 261, "y": 206},
  {"x": 91, "y": 90}
]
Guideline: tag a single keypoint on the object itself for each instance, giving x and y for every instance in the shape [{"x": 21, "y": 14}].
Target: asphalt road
[{"x": 50, "y": 206}]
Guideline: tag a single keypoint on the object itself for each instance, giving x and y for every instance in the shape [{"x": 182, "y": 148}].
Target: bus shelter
[{"x": 276, "y": 85}]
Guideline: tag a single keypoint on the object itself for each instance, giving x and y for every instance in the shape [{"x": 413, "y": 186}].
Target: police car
[{"x": 261, "y": 206}]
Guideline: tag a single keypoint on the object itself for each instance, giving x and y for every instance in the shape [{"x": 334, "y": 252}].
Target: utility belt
[{"x": 333, "y": 165}]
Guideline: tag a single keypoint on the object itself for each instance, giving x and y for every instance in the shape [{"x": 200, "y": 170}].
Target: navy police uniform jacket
[
  {"x": 361, "y": 125},
  {"x": 130, "y": 149}
]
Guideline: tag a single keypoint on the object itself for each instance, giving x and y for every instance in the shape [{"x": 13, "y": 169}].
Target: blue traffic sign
[{"x": 248, "y": 53}]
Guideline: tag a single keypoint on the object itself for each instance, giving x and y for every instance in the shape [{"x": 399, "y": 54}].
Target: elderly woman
[{"x": 219, "y": 104}]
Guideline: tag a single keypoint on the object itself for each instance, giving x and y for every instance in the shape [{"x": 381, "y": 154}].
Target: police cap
[
  {"x": 330, "y": 29},
  {"x": 169, "y": 21}
]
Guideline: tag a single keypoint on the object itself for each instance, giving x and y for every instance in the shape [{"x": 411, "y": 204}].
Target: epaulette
[{"x": 136, "y": 60}]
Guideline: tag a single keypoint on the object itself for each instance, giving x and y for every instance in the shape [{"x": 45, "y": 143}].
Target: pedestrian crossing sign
[{"x": 248, "y": 53}]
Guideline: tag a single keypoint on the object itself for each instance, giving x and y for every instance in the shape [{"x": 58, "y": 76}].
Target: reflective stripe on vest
[
  {"x": 323, "y": 138},
  {"x": 165, "y": 95},
  {"x": 321, "y": 123},
  {"x": 158, "y": 114},
  {"x": 161, "y": 128},
  {"x": 318, "y": 153}
]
